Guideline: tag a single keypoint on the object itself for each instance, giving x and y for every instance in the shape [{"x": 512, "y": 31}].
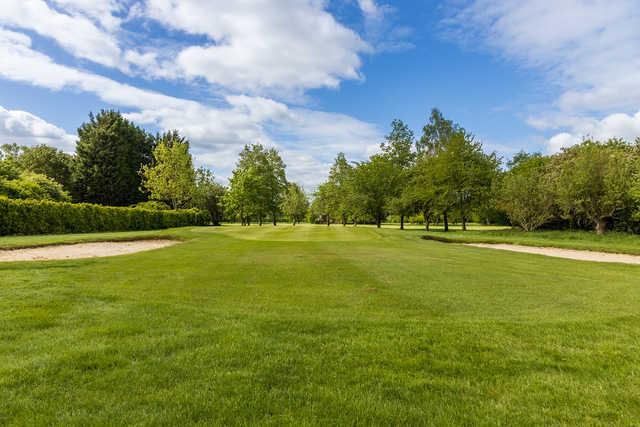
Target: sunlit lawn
[{"x": 317, "y": 325}]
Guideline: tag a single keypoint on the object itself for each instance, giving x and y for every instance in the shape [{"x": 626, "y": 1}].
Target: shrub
[
  {"x": 29, "y": 185},
  {"x": 47, "y": 217},
  {"x": 153, "y": 205}
]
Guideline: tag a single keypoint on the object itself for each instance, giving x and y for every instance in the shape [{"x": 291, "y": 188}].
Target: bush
[
  {"x": 47, "y": 217},
  {"x": 29, "y": 185},
  {"x": 152, "y": 205}
]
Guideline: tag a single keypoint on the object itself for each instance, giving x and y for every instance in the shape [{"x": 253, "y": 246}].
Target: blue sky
[{"x": 316, "y": 77}]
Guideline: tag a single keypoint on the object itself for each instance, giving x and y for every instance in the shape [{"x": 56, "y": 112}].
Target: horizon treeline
[
  {"x": 446, "y": 174},
  {"x": 442, "y": 176}
]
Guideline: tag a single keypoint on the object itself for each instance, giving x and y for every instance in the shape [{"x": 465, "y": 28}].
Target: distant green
[{"x": 317, "y": 325}]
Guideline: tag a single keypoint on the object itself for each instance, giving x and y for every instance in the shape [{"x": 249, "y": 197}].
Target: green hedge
[{"x": 47, "y": 217}]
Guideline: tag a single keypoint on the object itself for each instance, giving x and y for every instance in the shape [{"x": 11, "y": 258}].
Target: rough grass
[
  {"x": 611, "y": 242},
  {"x": 309, "y": 326}
]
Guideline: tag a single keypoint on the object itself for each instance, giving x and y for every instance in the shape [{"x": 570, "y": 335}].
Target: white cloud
[
  {"x": 370, "y": 9},
  {"x": 24, "y": 128},
  {"x": 262, "y": 46},
  {"x": 618, "y": 125},
  {"x": 589, "y": 50},
  {"x": 73, "y": 31},
  {"x": 217, "y": 133},
  {"x": 380, "y": 30}
]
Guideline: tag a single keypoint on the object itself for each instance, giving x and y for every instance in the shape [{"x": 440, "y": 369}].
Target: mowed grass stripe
[{"x": 382, "y": 328}]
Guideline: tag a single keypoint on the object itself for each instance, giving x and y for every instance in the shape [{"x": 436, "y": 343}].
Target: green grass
[
  {"x": 611, "y": 242},
  {"x": 317, "y": 326}
]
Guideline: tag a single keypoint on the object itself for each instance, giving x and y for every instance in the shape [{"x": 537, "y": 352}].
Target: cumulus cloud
[
  {"x": 618, "y": 125},
  {"x": 73, "y": 31},
  {"x": 245, "y": 53},
  {"x": 24, "y": 128},
  {"x": 217, "y": 133},
  {"x": 262, "y": 46},
  {"x": 588, "y": 49}
]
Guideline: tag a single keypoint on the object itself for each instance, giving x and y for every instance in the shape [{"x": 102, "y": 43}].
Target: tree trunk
[
  {"x": 446, "y": 221},
  {"x": 260, "y": 221},
  {"x": 378, "y": 219},
  {"x": 401, "y": 222},
  {"x": 328, "y": 220},
  {"x": 344, "y": 220},
  {"x": 274, "y": 219},
  {"x": 464, "y": 223},
  {"x": 601, "y": 226},
  {"x": 294, "y": 222}
]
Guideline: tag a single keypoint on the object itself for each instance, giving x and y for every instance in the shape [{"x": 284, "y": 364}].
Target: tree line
[
  {"x": 445, "y": 174},
  {"x": 115, "y": 163},
  {"x": 442, "y": 176}
]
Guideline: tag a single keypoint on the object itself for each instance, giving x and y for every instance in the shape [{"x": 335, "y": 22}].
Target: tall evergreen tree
[{"x": 109, "y": 156}]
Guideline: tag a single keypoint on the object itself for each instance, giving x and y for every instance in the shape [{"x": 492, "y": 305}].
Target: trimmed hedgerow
[{"x": 48, "y": 217}]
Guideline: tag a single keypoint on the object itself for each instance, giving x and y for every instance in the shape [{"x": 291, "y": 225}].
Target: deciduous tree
[{"x": 170, "y": 178}]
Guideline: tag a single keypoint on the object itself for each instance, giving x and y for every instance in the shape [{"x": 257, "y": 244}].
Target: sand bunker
[
  {"x": 82, "y": 250},
  {"x": 563, "y": 253}
]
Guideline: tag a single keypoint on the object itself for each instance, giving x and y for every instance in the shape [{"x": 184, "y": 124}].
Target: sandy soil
[
  {"x": 563, "y": 253},
  {"x": 82, "y": 250}
]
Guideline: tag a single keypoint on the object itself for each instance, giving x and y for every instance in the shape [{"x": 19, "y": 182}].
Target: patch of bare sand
[
  {"x": 563, "y": 253},
  {"x": 82, "y": 250}
]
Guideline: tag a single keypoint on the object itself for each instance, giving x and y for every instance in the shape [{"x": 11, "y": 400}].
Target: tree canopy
[
  {"x": 170, "y": 177},
  {"x": 109, "y": 155}
]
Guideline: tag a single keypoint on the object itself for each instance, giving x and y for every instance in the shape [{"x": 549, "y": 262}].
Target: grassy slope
[
  {"x": 610, "y": 242},
  {"x": 318, "y": 326}
]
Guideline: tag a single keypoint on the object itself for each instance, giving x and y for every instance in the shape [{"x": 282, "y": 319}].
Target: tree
[
  {"x": 170, "y": 178},
  {"x": 238, "y": 199},
  {"x": 326, "y": 202},
  {"x": 208, "y": 195},
  {"x": 48, "y": 161},
  {"x": 9, "y": 168},
  {"x": 295, "y": 203},
  {"x": 463, "y": 175},
  {"x": 340, "y": 177},
  {"x": 595, "y": 179},
  {"x": 375, "y": 181},
  {"x": 275, "y": 182},
  {"x": 423, "y": 188},
  {"x": 436, "y": 133},
  {"x": 526, "y": 193},
  {"x": 109, "y": 155},
  {"x": 257, "y": 185},
  {"x": 397, "y": 149},
  {"x": 19, "y": 182}
]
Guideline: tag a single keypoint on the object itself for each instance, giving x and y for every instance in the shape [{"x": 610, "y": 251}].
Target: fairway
[{"x": 316, "y": 325}]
